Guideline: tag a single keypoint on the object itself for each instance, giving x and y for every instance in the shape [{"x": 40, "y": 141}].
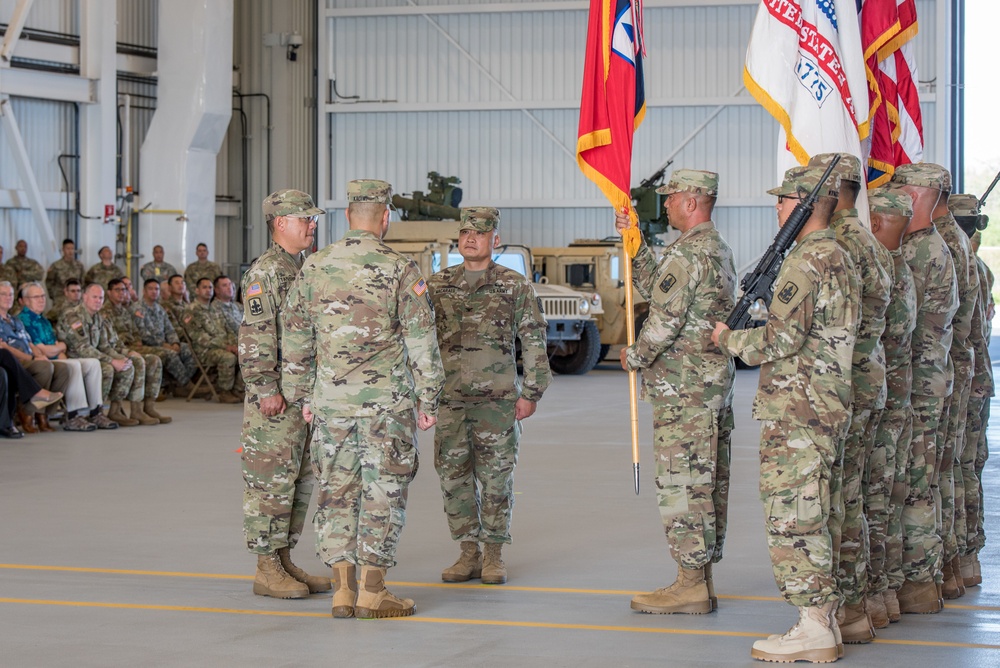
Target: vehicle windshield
[
  {"x": 580, "y": 275},
  {"x": 512, "y": 259}
]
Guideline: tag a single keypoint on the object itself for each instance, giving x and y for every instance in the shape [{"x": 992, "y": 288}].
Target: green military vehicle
[
  {"x": 595, "y": 265},
  {"x": 574, "y": 341}
]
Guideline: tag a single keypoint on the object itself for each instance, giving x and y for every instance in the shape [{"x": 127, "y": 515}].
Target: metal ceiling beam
[
  {"x": 47, "y": 86},
  {"x": 14, "y": 28}
]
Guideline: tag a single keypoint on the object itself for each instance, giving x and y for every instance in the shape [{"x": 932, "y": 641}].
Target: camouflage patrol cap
[
  {"x": 891, "y": 201},
  {"x": 848, "y": 168},
  {"x": 294, "y": 203},
  {"x": 369, "y": 190},
  {"x": 923, "y": 175},
  {"x": 694, "y": 181},
  {"x": 480, "y": 218},
  {"x": 799, "y": 182},
  {"x": 963, "y": 205}
]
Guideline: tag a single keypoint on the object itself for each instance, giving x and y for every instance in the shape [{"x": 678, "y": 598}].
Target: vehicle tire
[
  {"x": 586, "y": 355},
  {"x": 605, "y": 349}
]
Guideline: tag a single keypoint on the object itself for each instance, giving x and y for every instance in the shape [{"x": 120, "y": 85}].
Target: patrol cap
[
  {"x": 849, "y": 166},
  {"x": 923, "y": 175},
  {"x": 369, "y": 190},
  {"x": 480, "y": 218},
  {"x": 694, "y": 181},
  {"x": 800, "y": 181},
  {"x": 891, "y": 201},
  {"x": 963, "y": 205},
  {"x": 294, "y": 203}
]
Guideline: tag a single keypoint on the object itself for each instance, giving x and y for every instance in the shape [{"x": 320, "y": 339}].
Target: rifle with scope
[{"x": 758, "y": 286}]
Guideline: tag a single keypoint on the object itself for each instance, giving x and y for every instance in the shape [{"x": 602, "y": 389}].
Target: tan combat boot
[
  {"x": 956, "y": 566},
  {"x": 949, "y": 585},
  {"x": 688, "y": 595},
  {"x": 375, "y": 601},
  {"x": 875, "y": 605},
  {"x": 891, "y": 606},
  {"x": 272, "y": 580},
  {"x": 711, "y": 587},
  {"x": 918, "y": 598},
  {"x": 116, "y": 414},
  {"x": 811, "y": 639},
  {"x": 468, "y": 566},
  {"x": 149, "y": 408},
  {"x": 969, "y": 569},
  {"x": 855, "y": 626},
  {"x": 138, "y": 414},
  {"x": 345, "y": 592},
  {"x": 494, "y": 570},
  {"x": 315, "y": 583},
  {"x": 227, "y": 397}
]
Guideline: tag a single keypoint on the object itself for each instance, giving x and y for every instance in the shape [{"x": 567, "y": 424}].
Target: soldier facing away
[
  {"x": 277, "y": 470},
  {"x": 811, "y": 325},
  {"x": 481, "y": 311},
  {"x": 367, "y": 383},
  {"x": 689, "y": 383}
]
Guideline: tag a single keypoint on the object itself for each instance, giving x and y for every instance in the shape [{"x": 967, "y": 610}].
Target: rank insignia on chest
[
  {"x": 254, "y": 289},
  {"x": 667, "y": 283},
  {"x": 788, "y": 292},
  {"x": 256, "y": 306},
  {"x": 420, "y": 287}
]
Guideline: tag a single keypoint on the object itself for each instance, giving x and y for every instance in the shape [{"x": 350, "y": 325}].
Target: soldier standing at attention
[
  {"x": 157, "y": 269},
  {"x": 27, "y": 269},
  {"x": 359, "y": 351},
  {"x": 63, "y": 269},
  {"x": 481, "y": 311},
  {"x": 689, "y": 382},
  {"x": 873, "y": 270},
  {"x": 803, "y": 402},
  {"x": 936, "y": 288},
  {"x": 201, "y": 268},
  {"x": 104, "y": 271},
  {"x": 276, "y": 468},
  {"x": 891, "y": 209}
]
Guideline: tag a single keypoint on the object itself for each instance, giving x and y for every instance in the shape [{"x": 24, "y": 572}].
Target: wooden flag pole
[{"x": 633, "y": 399}]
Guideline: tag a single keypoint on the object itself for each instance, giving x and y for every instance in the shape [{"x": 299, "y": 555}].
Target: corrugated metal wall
[{"x": 424, "y": 105}]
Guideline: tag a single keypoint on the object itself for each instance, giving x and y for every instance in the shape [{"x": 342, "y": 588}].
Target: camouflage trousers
[
  {"x": 130, "y": 384},
  {"x": 180, "y": 365},
  {"x": 949, "y": 475},
  {"x": 972, "y": 485},
  {"x": 364, "y": 467},
  {"x": 921, "y": 542},
  {"x": 982, "y": 454},
  {"x": 692, "y": 450},
  {"x": 795, "y": 467},
  {"x": 278, "y": 475},
  {"x": 895, "y": 433},
  {"x": 225, "y": 364},
  {"x": 475, "y": 453},
  {"x": 876, "y": 485},
  {"x": 852, "y": 553}
]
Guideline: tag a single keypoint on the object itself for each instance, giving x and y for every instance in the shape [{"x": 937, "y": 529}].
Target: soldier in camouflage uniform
[
  {"x": 811, "y": 325},
  {"x": 936, "y": 290},
  {"x": 982, "y": 449},
  {"x": 157, "y": 269},
  {"x": 965, "y": 209},
  {"x": 213, "y": 343},
  {"x": 70, "y": 297},
  {"x": 689, "y": 382},
  {"x": 27, "y": 269},
  {"x": 481, "y": 311},
  {"x": 367, "y": 383},
  {"x": 158, "y": 336},
  {"x": 225, "y": 305},
  {"x": 88, "y": 334},
  {"x": 7, "y": 273},
  {"x": 276, "y": 467},
  {"x": 201, "y": 268},
  {"x": 104, "y": 271},
  {"x": 873, "y": 267},
  {"x": 176, "y": 301},
  {"x": 63, "y": 269},
  {"x": 116, "y": 311},
  {"x": 948, "y": 472},
  {"x": 887, "y": 474}
]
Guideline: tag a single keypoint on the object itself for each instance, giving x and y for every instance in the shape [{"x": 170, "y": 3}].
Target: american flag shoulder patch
[
  {"x": 420, "y": 287},
  {"x": 254, "y": 289},
  {"x": 77, "y": 325}
]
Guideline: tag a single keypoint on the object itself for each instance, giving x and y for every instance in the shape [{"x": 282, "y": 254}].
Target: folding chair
[{"x": 203, "y": 376}]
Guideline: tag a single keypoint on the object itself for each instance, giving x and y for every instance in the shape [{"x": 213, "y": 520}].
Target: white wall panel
[
  {"x": 137, "y": 22},
  {"x": 51, "y": 15}
]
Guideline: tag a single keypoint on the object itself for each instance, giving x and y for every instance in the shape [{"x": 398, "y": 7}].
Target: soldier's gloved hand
[
  {"x": 306, "y": 413},
  {"x": 621, "y": 221},
  {"x": 425, "y": 421},
  {"x": 271, "y": 406},
  {"x": 524, "y": 409}
]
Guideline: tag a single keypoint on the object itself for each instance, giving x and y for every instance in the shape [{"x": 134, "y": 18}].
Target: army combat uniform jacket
[
  {"x": 900, "y": 321},
  {"x": 60, "y": 272},
  {"x": 693, "y": 286},
  {"x": 89, "y": 335},
  {"x": 477, "y": 328}
]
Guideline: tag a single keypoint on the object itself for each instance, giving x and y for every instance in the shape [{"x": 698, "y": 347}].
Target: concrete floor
[{"x": 126, "y": 548}]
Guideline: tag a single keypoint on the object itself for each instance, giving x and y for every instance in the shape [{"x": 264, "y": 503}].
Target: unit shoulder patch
[
  {"x": 790, "y": 290},
  {"x": 673, "y": 277},
  {"x": 258, "y": 310}
]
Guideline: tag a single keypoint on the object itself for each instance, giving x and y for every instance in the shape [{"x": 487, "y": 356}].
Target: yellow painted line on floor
[
  {"x": 457, "y": 621},
  {"x": 121, "y": 571}
]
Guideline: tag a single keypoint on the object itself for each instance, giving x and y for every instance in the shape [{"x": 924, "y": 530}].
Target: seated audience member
[
  {"x": 157, "y": 269},
  {"x": 21, "y": 388},
  {"x": 213, "y": 343},
  {"x": 225, "y": 304},
  {"x": 69, "y": 298},
  {"x": 159, "y": 336}
]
